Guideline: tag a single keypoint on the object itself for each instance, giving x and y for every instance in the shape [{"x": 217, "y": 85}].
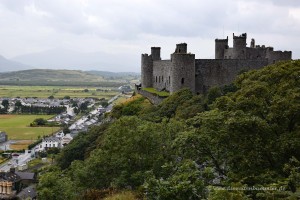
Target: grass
[
  {"x": 56, "y": 91},
  {"x": 159, "y": 93},
  {"x": 35, "y": 162},
  {"x": 17, "y": 127},
  {"x": 122, "y": 99},
  {"x": 127, "y": 195},
  {"x": 2, "y": 160}
]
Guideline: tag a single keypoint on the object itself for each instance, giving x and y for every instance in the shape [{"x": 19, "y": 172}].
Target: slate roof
[
  {"x": 29, "y": 191},
  {"x": 26, "y": 175}
]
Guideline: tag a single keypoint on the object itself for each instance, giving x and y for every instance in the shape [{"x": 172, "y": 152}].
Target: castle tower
[
  {"x": 239, "y": 46},
  {"x": 252, "y": 45},
  {"x": 181, "y": 48},
  {"x": 239, "y": 42},
  {"x": 155, "y": 53},
  {"x": 182, "y": 73},
  {"x": 147, "y": 71},
  {"x": 220, "y": 46}
]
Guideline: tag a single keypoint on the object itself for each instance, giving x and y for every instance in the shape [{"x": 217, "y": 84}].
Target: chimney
[{"x": 12, "y": 170}]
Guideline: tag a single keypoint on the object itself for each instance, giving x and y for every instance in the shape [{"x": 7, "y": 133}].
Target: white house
[
  {"x": 66, "y": 139},
  {"x": 50, "y": 142}
]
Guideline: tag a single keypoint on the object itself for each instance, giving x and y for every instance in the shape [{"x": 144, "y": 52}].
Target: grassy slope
[
  {"x": 17, "y": 126},
  {"x": 61, "y": 77},
  {"x": 50, "y": 75}
]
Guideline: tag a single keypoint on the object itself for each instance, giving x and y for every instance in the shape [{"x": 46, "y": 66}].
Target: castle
[{"x": 184, "y": 71}]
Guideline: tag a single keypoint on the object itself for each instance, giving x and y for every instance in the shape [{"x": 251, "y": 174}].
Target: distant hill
[
  {"x": 74, "y": 60},
  {"x": 60, "y": 77},
  {"x": 113, "y": 74},
  {"x": 8, "y": 65},
  {"x": 50, "y": 75}
]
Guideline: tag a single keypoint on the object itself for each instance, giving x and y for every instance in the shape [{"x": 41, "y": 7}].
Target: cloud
[{"x": 133, "y": 25}]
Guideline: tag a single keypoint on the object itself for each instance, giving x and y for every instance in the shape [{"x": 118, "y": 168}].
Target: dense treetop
[{"x": 246, "y": 134}]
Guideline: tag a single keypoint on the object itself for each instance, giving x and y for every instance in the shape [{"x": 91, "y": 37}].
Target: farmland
[
  {"x": 56, "y": 91},
  {"x": 17, "y": 127}
]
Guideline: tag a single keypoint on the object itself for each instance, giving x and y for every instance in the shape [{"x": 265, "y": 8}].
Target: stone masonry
[{"x": 184, "y": 71}]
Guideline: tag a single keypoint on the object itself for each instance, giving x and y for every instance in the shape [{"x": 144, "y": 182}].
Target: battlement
[
  {"x": 181, "y": 48},
  {"x": 242, "y": 36},
  {"x": 155, "y": 53},
  {"x": 221, "y": 40}
]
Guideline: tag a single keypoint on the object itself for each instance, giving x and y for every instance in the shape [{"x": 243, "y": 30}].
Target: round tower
[
  {"x": 147, "y": 71},
  {"x": 252, "y": 45},
  {"x": 240, "y": 42},
  {"x": 155, "y": 53},
  {"x": 239, "y": 46},
  {"x": 220, "y": 46},
  {"x": 182, "y": 73},
  {"x": 181, "y": 48}
]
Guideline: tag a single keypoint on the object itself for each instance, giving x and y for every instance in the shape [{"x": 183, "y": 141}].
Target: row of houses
[
  {"x": 61, "y": 139},
  {"x": 42, "y": 102}
]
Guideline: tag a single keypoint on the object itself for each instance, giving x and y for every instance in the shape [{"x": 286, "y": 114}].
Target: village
[{"x": 23, "y": 180}]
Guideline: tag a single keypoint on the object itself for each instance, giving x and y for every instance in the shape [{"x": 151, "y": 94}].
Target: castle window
[
  {"x": 182, "y": 81},
  {"x": 162, "y": 79},
  {"x": 169, "y": 80},
  {"x": 156, "y": 79}
]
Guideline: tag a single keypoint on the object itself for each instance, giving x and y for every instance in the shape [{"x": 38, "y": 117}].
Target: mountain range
[
  {"x": 9, "y": 65},
  {"x": 72, "y": 60}
]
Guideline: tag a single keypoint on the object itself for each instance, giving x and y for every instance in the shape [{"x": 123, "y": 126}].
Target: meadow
[
  {"x": 56, "y": 91},
  {"x": 17, "y": 127}
]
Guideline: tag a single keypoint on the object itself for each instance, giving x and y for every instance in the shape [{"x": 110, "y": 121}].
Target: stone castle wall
[
  {"x": 147, "y": 70},
  {"x": 154, "y": 99},
  {"x": 274, "y": 56},
  {"x": 184, "y": 71},
  {"x": 218, "y": 72},
  {"x": 161, "y": 74}
]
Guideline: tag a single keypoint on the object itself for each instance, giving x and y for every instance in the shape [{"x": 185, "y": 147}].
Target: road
[{"x": 16, "y": 160}]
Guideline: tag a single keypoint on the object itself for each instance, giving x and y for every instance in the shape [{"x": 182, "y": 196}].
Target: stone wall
[
  {"x": 274, "y": 56},
  {"x": 147, "y": 70},
  {"x": 256, "y": 53},
  {"x": 153, "y": 98},
  {"x": 161, "y": 74},
  {"x": 220, "y": 46},
  {"x": 220, "y": 72},
  {"x": 182, "y": 72}
]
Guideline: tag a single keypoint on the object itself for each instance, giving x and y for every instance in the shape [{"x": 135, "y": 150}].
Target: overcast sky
[{"x": 133, "y": 26}]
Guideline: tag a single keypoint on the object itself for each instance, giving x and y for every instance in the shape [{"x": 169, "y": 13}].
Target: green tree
[
  {"x": 5, "y": 103},
  {"x": 40, "y": 122},
  {"x": 184, "y": 181},
  {"x": 55, "y": 185}
]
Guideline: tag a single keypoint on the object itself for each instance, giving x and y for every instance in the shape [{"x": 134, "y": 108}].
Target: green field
[
  {"x": 17, "y": 127},
  {"x": 56, "y": 91}
]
